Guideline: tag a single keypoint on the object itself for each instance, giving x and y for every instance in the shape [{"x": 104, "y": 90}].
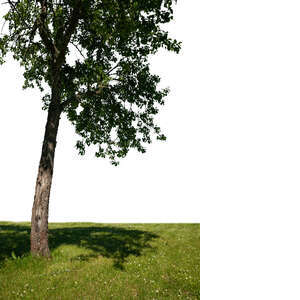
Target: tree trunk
[{"x": 39, "y": 218}]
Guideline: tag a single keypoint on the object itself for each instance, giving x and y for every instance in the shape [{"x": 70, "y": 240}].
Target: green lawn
[{"x": 102, "y": 261}]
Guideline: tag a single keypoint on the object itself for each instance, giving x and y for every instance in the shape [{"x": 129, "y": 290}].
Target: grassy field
[{"x": 102, "y": 261}]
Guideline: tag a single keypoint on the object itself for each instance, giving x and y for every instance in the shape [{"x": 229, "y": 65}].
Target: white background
[
  {"x": 231, "y": 161},
  {"x": 160, "y": 186}
]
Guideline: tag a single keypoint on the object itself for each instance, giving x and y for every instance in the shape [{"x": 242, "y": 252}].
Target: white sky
[{"x": 231, "y": 161}]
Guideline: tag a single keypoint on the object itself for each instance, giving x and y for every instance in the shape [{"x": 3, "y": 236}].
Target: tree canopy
[{"x": 106, "y": 90}]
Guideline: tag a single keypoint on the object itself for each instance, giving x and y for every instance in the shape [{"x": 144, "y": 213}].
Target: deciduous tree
[{"x": 108, "y": 94}]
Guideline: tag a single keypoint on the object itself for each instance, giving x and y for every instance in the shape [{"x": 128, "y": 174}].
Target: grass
[{"x": 102, "y": 261}]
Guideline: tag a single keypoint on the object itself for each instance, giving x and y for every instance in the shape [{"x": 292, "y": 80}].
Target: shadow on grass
[{"x": 111, "y": 242}]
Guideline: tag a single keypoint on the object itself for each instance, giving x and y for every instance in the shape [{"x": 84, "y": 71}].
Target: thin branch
[
  {"x": 12, "y": 3},
  {"x": 71, "y": 26},
  {"x": 3, "y": 26},
  {"x": 118, "y": 63},
  {"x": 78, "y": 50},
  {"x": 44, "y": 30}
]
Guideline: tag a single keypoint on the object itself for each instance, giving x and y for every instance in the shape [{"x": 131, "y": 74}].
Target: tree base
[{"x": 39, "y": 245}]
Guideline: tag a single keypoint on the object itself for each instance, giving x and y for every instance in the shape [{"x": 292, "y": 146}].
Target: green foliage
[
  {"x": 108, "y": 92},
  {"x": 102, "y": 261},
  {"x": 13, "y": 255}
]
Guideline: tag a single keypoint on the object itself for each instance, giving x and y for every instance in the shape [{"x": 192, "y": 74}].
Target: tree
[{"x": 108, "y": 94}]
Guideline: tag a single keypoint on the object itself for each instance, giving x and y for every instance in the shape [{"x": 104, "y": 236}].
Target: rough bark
[{"x": 39, "y": 219}]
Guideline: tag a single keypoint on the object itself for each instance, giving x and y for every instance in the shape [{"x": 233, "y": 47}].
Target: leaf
[{"x": 13, "y": 255}]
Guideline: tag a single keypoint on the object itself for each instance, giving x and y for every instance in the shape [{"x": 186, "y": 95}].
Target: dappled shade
[{"x": 108, "y": 241}]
